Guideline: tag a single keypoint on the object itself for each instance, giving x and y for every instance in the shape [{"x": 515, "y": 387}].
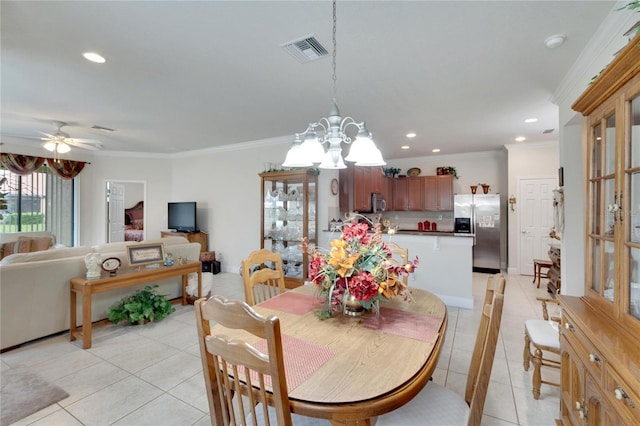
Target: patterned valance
[{"x": 27, "y": 164}]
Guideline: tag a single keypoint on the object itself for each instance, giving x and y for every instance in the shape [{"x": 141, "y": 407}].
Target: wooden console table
[{"x": 124, "y": 278}]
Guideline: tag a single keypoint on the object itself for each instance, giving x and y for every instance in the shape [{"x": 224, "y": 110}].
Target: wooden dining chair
[
  {"x": 544, "y": 336},
  {"x": 263, "y": 276},
  {"x": 403, "y": 254},
  {"x": 437, "y": 405},
  {"x": 244, "y": 386}
]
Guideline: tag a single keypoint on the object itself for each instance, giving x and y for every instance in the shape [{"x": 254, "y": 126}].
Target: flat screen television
[{"x": 182, "y": 216}]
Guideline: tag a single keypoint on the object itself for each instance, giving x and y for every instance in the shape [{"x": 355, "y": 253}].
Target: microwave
[{"x": 378, "y": 203}]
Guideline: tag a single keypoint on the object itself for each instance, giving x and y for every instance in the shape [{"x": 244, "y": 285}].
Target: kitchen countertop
[{"x": 417, "y": 232}]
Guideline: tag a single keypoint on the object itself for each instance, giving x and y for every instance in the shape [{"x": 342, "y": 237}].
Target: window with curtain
[{"x": 39, "y": 201}]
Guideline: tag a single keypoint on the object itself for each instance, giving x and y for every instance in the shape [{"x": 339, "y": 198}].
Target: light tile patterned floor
[{"x": 151, "y": 374}]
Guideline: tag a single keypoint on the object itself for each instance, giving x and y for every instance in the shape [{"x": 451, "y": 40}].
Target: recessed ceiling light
[
  {"x": 530, "y": 120},
  {"x": 405, "y": 147},
  {"x": 94, "y": 57},
  {"x": 411, "y": 135},
  {"x": 521, "y": 139},
  {"x": 555, "y": 40},
  {"x": 435, "y": 150}
]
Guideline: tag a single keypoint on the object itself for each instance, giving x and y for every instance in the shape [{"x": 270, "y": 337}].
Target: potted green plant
[
  {"x": 391, "y": 171},
  {"x": 143, "y": 306}
]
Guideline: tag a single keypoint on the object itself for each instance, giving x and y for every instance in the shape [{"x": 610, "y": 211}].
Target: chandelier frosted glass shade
[{"x": 296, "y": 156}]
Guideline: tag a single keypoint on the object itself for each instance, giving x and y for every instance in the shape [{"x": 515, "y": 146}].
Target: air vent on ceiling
[
  {"x": 547, "y": 131},
  {"x": 305, "y": 49}
]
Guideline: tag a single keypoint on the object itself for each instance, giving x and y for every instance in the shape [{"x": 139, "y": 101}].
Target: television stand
[{"x": 193, "y": 237}]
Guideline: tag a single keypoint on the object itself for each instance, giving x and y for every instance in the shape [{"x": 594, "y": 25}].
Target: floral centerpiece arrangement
[{"x": 360, "y": 266}]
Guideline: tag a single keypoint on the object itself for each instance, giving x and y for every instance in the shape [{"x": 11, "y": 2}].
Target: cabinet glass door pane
[
  {"x": 596, "y": 211},
  {"x": 610, "y": 145},
  {"x": 609, "y": 200},
  {"x": 634, "y": 280},
  {"x": 311, "y": 213},
  {"x": 596, "y": 150},
  {"x": 634, "y": 156},
  {"x": 595, "y": 268},
  {"x": 634, "y": 208},
  {"x": 608, "y": 270}
]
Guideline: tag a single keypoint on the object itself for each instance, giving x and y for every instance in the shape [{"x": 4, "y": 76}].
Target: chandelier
[{"x": 331, "y": 131}]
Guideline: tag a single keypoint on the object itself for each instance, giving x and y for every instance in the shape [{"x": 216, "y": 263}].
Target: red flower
[
  {"x": 363, "y": 286},
  {"x": 357, "y": 231}
]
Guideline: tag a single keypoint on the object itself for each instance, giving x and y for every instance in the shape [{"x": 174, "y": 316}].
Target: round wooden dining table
[{"x": 350, "y": 370}]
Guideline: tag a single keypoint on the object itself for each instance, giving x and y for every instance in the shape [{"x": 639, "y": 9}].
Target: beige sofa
[{"x": 34, "y": 287}]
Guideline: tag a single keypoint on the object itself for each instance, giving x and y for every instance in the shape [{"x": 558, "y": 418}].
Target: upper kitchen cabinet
[
  {"x": 358, "y": 183},
  {"x": 438, "y": 193},
  {"x": 415, "y": 193},
  {"x": 400, "y": 194}
]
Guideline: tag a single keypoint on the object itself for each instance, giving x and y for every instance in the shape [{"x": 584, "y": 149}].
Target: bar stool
[{"x": 538, "y": 264}]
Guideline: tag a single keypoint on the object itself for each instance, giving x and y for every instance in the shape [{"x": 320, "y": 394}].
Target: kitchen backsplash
[{"x": 409, "y": 220}]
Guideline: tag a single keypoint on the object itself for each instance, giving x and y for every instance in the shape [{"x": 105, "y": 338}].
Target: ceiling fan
[{"x": 61, "y": 142}]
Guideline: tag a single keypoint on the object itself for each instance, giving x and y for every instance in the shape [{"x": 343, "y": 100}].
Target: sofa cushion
[
  {"x": 45, "y": 255},
  {"x": 7, "y": 249},
  {"x": 23, "y": 245},
  {"x": 41, "y": 243}
]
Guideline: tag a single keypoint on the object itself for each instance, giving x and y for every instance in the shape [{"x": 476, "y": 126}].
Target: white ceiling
[{"x": 182, "y": 75}]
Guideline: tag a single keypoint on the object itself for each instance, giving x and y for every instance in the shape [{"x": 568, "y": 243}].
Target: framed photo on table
[{"x": 145, "y": 254}]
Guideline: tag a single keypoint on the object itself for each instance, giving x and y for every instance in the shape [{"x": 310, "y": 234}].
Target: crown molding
[{"x": 597, "y": 54}]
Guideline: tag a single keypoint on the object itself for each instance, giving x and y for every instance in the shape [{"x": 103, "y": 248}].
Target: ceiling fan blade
[
  {"x": 77, "y": 144},
  {"x": 81, "y": 140}
]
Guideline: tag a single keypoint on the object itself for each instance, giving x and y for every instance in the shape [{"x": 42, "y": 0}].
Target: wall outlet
[{"x": 440, "y": 217}]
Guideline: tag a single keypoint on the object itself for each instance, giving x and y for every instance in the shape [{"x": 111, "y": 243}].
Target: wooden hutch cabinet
[
  {"x": 289, "y": 214},
  {"x": 600, "y": 332}
]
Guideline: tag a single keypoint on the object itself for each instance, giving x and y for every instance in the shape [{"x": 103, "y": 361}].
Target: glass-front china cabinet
[
  {"x": 600, "y": 332},
  {"x": 289, "y": 213}
]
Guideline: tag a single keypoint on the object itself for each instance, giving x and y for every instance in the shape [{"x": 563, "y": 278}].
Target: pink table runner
[
  {"x": 404, "y": 323},
  {"x": 301, "y": 359},
  {"x": 293, "y": 303}
]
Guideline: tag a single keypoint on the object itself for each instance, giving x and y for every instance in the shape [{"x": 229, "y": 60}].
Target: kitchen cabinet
[
  {"x": 599, "y": 333},
  {"x": 444, "y": 192},
  {"x": 357, "y": 184},
  {"x": 289, "y": 215},
  {"x": 415, "y": 193},
  {"x": 438, "y": 193},
  {"x": 400, "y": 194}
]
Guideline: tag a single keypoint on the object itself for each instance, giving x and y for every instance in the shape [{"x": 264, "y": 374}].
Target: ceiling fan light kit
[
  {"x": 333, "y": 132},
  {"x": 59, "y": 147}
]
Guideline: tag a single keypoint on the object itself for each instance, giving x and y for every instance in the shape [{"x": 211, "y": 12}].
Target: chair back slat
[
  {"x": 495, "y": 285},
  {"x": 241, "y": 381},
  {"x": 263, "y": 276},
  {"x": 486, "y": 363}
]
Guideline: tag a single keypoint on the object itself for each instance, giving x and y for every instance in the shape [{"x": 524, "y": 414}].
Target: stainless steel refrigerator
[{"x": 479, "y": 215}]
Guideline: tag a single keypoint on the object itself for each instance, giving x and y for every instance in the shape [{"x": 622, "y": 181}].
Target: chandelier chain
[{"x": 335, "y": 76}]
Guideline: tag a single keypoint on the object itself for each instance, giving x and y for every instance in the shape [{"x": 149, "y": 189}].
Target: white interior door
[
  {"x": 115, "y": 206},
  {"x": 535, "y": 216}
]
